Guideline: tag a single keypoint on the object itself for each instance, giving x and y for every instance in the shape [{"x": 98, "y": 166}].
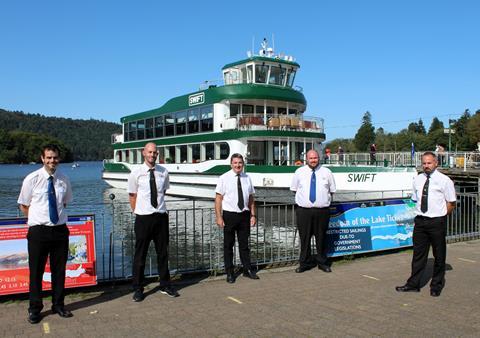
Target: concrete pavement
[{"x": 358, "y": 299}]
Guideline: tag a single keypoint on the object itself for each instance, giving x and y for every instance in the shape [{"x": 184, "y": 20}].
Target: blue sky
[{"x": 401, "y": 60}]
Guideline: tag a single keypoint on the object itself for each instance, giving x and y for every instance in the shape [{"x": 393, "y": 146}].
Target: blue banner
[{"x": 370, "y": 226}]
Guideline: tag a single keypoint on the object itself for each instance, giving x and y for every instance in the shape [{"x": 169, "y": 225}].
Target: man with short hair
[
  {"x": 43, "y": 198},
  {"x": 235, "y": 213},
  {"x": 435, "y": 197},
  {"x": 146, "y": 189},
  {"x": 313, "y": 185}
]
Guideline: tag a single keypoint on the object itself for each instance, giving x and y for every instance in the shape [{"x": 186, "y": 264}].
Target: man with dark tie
[
  {"x": 235, "y": 213},
  {"x": 146, "y": 189},
  {"x": 313, "y": 185},
  {"x": 43, "y": 198},
  {"x": 434, "y": 195}
]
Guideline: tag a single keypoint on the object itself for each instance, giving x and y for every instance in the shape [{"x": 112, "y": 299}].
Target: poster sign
[
  {"x": 370, "y": 226},
  {"x": 14, "y": 273}
]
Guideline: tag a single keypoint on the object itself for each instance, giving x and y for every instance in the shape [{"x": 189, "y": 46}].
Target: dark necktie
[
  {"x": 424, "y": 203},
  {"x": 153, "y": 189},
  {"x": 52, "y": 201},
  {"x": 241, "y": 202},
  {"x": 313, "y": 187}
]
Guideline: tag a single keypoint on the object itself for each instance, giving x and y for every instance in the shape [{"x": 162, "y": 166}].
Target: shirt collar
[
  {"x": 146, "y": 168},
  {"x": 46, "y": 175}
]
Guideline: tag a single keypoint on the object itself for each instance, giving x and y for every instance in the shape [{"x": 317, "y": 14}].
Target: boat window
[
  {"x": 161, "y": 154},
  {"x": 134, "y": 155},
  {"x": 169, "y": 125},
  {"x": 181, "y": 123},
  {"x": 290, "y": 77},
  {"x": 281, "y": 110},
  {"x": 224, "y": 151},
  {"x": 261, "y": 72},
  {"x": 247, "y": 109},
  {"x": 277, "y": 76},
  {"x": 195, "y": 153},
  {"x": 209, "y": 151},
  {"x": 297, "y": 152},
  {"x": 259, "y": 110},
  {"x": 193, "y": 118},
  {"x": 183, "y": 153},
  {"x": 256, "y": 152},
  {"x": 132, "y": 131},
  {"x": 292, "y": 112},
  {"x": 140, "y": 129},
  {"x": 119, "y": 155},
  {"x": 250, "y": 73},
  {"x": 159, "y": 126},
  {"x": 170, "y": 154},
  {"x": 125, "y": 132},
  {"x": 244, "y": 74},
  {"x": 227, "y": 78},
  {"x": 127, "y": 156},
  {"x": 234, "y": 109},
  {"x": 149, "y": 128},
  {"x": 206, "y": 116}
]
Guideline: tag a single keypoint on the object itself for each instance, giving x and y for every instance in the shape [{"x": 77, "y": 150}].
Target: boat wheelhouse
[{"x": 259, "y": 113}]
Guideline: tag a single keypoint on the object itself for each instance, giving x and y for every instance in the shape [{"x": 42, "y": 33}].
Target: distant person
[
  {"x": 235, "y": 214},
  {"x": 440, "y": 150},
  {"x": 146, "y": 189},
  {"x": 43, "y": 198},
  {"x": 373, "y": 152},
  {"x": 340, "y": 154},
  {"x": 328, "y": 154},
  {"x": 313, "y": 185},
  {"x": 434, "y": 195}
]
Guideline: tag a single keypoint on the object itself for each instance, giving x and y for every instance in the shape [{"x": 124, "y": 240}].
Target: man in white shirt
[
  {"x": 43, "y": 198},
  {"x": 235, "y": 213},
  {"x": 434, "y": 194},
  {"x": 313, "y": 185},
  {"x": 146, "y": 189}
]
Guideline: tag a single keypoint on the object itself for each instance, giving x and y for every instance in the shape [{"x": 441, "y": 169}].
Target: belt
[
  {"x": 323, "y": 208},
  {"x": 427, "y": 218}
]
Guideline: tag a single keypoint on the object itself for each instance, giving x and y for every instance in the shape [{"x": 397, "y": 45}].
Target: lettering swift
[{"x": 361, "y": 177}]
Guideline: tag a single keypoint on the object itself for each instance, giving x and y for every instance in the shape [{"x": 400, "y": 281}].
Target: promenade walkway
[{"x": 357, "y": 300}]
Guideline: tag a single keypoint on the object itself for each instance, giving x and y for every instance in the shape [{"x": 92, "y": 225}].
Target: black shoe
[
  {"x": 62, "y": 312},
  {"x": 34, "y": 317},
  {"x": 301, "y": 269},
  {"x": 250, "y": 274},
  {"x": 407, "y": 288},
  {"x": 169, "y": 291},
  {"x": 138, "y": 295},
  {"x": 230, "y": 278},
  {"x": 435, "y": 293},
  {"x": 324, "y": 268}
]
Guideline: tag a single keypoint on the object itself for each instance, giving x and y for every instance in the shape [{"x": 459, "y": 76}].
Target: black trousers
[
  {"x": 312, "y": 221},
  {"x": 236, "y": 223},
  {"x": 149, "y": 228},
  {"x": 429, "y": 231},
  {"x": 45, "y": 241}
]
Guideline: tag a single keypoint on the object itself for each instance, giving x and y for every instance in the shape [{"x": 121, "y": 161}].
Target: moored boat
[{"x": 259, "y": 113}]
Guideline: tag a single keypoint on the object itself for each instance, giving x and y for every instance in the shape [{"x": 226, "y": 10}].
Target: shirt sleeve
[
  {"x": 68, "y": 194},
  {"x": 450, "y": 195},
  {"x": 251, "y": 189},
  {"x": 166, "y": 185},
  {"x": 132, "y": 187},
  {"x": 294, "y": 184},
  {"x": 25, "y": 196},
  {"x": 414, "y": 191},
  {"x": 331, "y": 180},
  {"x": 220, "y": 189}
]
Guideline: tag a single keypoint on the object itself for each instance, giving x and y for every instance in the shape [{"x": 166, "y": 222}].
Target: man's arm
[
  {"x": 218, "y": 210},
  {"x": 133, "y": 200},
  {"x": 450, "y": 207},
  {"x": 251, "y": 206},
  {"x": 24, "y": 208}
]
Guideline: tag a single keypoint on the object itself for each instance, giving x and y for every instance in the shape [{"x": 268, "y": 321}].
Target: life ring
[{"x": 298, "y": 162}]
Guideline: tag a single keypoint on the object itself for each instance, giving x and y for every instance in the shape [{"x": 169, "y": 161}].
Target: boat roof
[{"x": 275, "y": 59}]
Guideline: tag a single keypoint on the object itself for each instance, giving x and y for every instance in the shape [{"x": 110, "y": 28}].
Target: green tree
[
  {"x": 435, "y": 125},
  {"x": 473, "y": 128},
  {"x": 365, "y": 134}
]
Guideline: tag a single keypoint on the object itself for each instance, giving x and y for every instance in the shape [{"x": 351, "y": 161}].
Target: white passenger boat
[{"x": 259, "y": 113}]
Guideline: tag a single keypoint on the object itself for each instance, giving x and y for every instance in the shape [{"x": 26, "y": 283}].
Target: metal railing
[{"x": 196, "y": 243}]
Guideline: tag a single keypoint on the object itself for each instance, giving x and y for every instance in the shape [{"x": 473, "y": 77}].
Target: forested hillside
[{"x": 83, "y": 140}]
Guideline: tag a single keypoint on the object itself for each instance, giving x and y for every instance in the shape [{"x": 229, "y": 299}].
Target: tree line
[
  {"x": 464, "y": 136},
  {"x": 22, "y": 135}
]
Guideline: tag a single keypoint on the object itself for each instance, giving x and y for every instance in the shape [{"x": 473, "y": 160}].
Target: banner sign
[
  {"x": 14, "y": 272},
  {"x": 370, "y": 226}
]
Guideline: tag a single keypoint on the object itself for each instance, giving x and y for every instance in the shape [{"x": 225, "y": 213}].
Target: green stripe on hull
[{"x": 115, "y": 168}]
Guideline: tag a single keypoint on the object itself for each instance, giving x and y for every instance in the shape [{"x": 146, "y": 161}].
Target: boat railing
[{"x": 275, "y": 122}]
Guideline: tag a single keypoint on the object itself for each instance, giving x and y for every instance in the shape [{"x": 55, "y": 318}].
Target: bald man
[{"x": 147, "y": 185}]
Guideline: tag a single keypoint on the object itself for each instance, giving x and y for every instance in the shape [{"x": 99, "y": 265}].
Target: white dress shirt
[
  {"x": 34, "y": 194},
  {"x": 440, "y": 191},
  {"x": 227, "y": 187},
  {"x": 139, "y": 183},
  {"x": 325, "y": 186}
]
